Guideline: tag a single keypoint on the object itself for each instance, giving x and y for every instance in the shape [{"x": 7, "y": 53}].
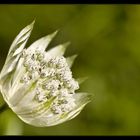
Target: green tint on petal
[
  {"x": 81, "y": 99},
  {"x": 70, "y": 60},
  {"x": 58, "y": 50},
  {"x": 21, "y": 37},
  {"x": 18, "y": 73},
  {"x": 81, "y": 80},
  {"x": 15, "y": 49},
  {"x": 9, "y": 66},
  {"x": 37, "y": 110},
  {"x": 5, "y": 85},
  {"x": 48, "y": 119},
  {"x": 23, "y": 90}
]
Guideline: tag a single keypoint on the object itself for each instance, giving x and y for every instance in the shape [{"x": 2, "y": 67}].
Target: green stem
[{"x": 3, "y": 107}]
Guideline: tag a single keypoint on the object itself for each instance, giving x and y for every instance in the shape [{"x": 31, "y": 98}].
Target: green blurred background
[{"x": 107, "y": 40}]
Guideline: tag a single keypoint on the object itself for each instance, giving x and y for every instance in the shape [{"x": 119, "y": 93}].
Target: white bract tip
[{"x": 38, "y": 85}]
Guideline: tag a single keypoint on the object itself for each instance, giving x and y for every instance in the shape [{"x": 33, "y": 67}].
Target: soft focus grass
[{"x": 107, "y": 41}]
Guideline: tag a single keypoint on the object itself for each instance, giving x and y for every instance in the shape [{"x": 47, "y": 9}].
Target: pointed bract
[
  {"x": 22, "y": 38},
  {"x": 16, "y": 48},
  {"x": 57, "y": 50},
  {"x": 70, "y": 60},
  {"x": 42, "y": 43},
  {"x": 81, "y": 80}
]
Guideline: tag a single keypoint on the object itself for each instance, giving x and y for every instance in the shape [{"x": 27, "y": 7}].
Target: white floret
[{"x": 54, "y": 77}]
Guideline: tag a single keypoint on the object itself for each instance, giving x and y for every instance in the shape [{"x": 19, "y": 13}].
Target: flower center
[{"x": 54, "y": 79}]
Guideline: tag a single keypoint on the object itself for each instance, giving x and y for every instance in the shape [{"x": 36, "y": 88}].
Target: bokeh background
[{"x": 107, "y": 41}]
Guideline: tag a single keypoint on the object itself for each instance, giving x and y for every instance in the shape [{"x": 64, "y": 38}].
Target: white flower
[{"x": 38, "y": 85}]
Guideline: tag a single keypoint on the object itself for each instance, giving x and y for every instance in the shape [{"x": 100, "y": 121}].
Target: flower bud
[{"x": 38, "y": 85}]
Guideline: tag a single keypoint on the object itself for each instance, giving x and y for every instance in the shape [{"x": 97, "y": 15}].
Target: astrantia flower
[{"x": 38, "y": 85}]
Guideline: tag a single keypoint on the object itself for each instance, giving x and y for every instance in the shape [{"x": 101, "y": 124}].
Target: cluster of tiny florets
[{"x": 54, "y": 79}]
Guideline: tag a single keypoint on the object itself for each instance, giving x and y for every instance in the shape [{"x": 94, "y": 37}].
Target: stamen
[{"x": 54, "y": 78}]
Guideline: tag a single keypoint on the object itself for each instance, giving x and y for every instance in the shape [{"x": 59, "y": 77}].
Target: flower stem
[{"x": 3, "y": 107}]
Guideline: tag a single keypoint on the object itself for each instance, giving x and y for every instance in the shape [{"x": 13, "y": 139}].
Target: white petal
[
  {"x": 9, "y": 66},
  {"x": 70, "y": 60},
  {"x": 81, "y": 80},
  {"x": 42, "y": 43},
  {"x": 15, "y": 50},
  {"x": 21, "y": 92},
  {"x": 18, "y": 73},
  {"x": 57, "y": 51},
  {"x": 21, "y": 39},
  {"x": 46, "y": 118}
]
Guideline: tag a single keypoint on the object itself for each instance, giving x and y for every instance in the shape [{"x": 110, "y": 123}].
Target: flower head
[{"x": 38, "y": 85}]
